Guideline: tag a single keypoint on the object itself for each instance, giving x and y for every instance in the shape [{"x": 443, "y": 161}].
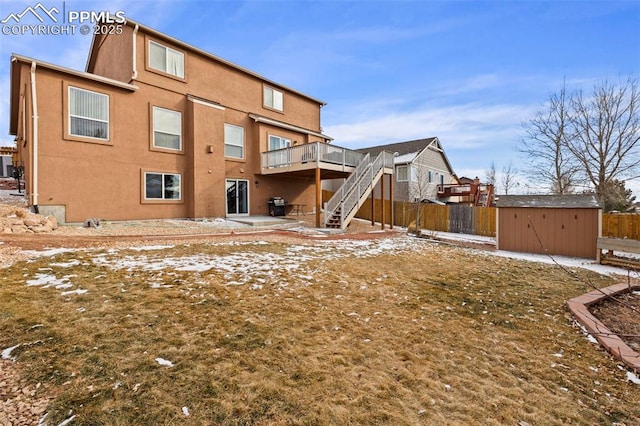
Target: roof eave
[
  {"x": 261, "y": 119},
  {"x": 82, "y": 74}
]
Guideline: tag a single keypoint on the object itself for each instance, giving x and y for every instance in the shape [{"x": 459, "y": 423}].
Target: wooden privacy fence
[
  {"x": 621, "y": 225},
  {"x": 477, "y": 220},
  {"x": 450, "y": 218},
  {"x": 447, "y": 218}
]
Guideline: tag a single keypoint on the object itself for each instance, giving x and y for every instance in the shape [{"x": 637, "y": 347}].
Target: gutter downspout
[
  {"x": 34, "y": 106},
  {"x": 134, "y": 74}
]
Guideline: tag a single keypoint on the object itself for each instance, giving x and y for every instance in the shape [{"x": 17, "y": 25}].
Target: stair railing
[
  {"x": 335, "y": 200},
  {"x": 350, "y": 194}
]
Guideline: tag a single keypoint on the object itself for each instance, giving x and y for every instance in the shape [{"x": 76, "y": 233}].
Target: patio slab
[{"x": 264, "y": 221}]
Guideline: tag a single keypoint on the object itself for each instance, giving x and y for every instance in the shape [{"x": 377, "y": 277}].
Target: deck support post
[
  {"x": 391, "y": 202},
  {"x": 382, "y": 201},
  {"x": 373, "y": 208},
  {"x": 318, "y": 196}
]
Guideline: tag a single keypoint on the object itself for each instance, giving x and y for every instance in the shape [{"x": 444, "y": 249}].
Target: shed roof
[{"x": 582, "y": 201}]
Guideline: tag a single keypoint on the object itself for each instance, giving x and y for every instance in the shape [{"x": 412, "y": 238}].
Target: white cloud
[{"x": 458, "y": 126}]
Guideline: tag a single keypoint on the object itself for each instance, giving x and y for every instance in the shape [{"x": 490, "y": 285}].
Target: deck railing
[{"x": 316, "y": 152}]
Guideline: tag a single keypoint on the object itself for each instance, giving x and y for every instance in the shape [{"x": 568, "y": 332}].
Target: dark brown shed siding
[{"x": 561, "y": 231}]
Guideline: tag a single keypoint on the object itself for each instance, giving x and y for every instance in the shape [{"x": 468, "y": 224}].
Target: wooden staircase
[
  {"x": 346, "y": 202},
  {"x": 334, "y": 220}
]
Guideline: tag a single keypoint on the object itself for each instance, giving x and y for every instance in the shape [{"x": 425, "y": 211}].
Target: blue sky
[{"x": 468, "y": 72}]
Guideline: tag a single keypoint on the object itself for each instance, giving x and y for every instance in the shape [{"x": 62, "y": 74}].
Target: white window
[
  {"x": 430, "y": 176},
  {"x": 88, "y": 114},
  {"x": 401, "y": 174},
  {"x": 273, "y": 99},
  {"x": 277, "y": 142},
  {"x": 165, "y": 59},
  {"x": 162, "y": 186},
  {"x": 233, "y": 141},
  {"x": 281, "y": 156},
  {"x": 167, "y": 129},
  {"x": 441, "y": 179}
]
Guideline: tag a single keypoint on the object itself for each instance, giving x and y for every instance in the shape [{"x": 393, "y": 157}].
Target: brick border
[{"x": 579, "y": 307}]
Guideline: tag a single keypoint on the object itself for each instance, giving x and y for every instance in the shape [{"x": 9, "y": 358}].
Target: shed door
[{"x": 565, "y": 232}]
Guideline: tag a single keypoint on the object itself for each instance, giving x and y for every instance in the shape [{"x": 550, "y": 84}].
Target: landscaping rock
[
  {"x": 53, "y": 221},
  {"x": 19, "y": 229},
  {"x": 40, "y": 229},
  {"x": 31, "y": 222}
]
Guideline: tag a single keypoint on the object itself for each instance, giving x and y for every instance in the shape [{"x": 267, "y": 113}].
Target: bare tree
[
  {"x": 605, "y": 137},
  {"x": 508, "y": 178},
  {"x": 548, "y": 159},
  {"x": 422, "y": 186},
  {"x": 490, "y": 174}
]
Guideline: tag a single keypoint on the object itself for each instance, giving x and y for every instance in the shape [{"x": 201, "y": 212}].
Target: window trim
[
  {"x": 67, "y": 135},
  {"x": 143, "y": 188},
  {"x": 164, "y": 72},
  {"x": 152, "y": 133},
  {"x": 273, "y": 107},
  {"x": 243, "y": 146}
]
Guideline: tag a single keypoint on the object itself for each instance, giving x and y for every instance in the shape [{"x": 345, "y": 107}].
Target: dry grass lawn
[{"x": 392, "y": 331}]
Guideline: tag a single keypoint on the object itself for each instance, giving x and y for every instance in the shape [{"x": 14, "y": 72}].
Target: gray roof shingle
[{"x": 573, "y": 201}]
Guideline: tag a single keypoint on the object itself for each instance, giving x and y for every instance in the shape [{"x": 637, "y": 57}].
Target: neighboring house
[
  {"x": 6, "y": 161},
  {"x": 421, "y": 166},
  {"x": 6, "y": 166},
  {"x": 467, "y": 191},
  {"x": 156, "y": 128}
]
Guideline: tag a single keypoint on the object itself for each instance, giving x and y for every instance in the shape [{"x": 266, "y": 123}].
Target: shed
[{"x": 567, "y": 225}]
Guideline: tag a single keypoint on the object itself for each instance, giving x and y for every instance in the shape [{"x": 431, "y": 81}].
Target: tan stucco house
[{"x": 157, "y": 128}]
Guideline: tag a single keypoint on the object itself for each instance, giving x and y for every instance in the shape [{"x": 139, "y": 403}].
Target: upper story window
[
  {"x": 167, "y": 129},
  {"x": 430, "y": 176},
  {"x": 233, "y": 141},
  {"x": 165, "y": 59},
  {"x": 88, "y": 114},
  {"x": 273, "y": 98},
  {"x": 402, "y": 174}
]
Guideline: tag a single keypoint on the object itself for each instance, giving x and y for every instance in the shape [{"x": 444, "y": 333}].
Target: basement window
[{"x": 162, "y": 186}]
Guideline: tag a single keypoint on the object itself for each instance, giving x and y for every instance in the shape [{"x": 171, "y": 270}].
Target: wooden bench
[{"x": 618, "y": 244}]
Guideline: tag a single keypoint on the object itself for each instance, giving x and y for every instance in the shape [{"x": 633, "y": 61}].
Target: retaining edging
[{"x": 579, "y": 307}]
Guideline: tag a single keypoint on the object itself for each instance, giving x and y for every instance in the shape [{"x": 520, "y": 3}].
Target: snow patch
[
  {"x": 633, "y": 378},
  {"x": 6, "y": 354},
  {"x": 164, "y": 362}
]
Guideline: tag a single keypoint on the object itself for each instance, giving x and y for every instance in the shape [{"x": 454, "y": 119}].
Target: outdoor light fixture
[{"x": 257, "y": 183}]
